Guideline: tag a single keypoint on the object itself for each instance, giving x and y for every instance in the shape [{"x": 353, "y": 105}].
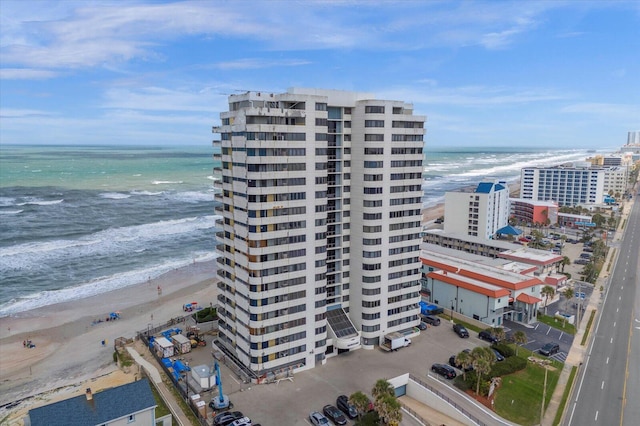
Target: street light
[{"x": 451, "y": 311}]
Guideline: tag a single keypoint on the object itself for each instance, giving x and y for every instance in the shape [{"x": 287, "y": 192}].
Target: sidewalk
[
  {"x": 577, "y": 352},
  {"x": 154, "y": 376}
]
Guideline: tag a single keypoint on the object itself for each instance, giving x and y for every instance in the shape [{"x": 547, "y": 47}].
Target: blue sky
[{"x": 485, "y": 73}]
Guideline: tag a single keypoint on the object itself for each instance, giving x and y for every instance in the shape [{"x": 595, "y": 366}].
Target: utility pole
[{"x": 544, "y": 394}]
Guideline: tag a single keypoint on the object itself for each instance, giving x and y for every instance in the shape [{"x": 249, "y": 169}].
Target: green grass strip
[
  {"x": 557, "y": 323},
  {"x": 520, "y": 396},
  {"x": 586, "y": 332},
  {"x": 565, "y": 396}
]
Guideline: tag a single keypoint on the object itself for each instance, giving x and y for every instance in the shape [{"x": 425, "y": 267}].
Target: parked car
[
  {"x": 244, "y": 421},
  {"x": 452, "y": 362},
  {"x": 487, "y": 336},
  {"x": 347, "y": 408},
  {"x": 333, "y": 414},
  {"x": 549, "y": 349},
  {"x": 318, "y": 419},
  {"x": 460, "y": 330},
  {"x": 423, "y": 325},
  {"x": 585, "y": 255},
  {"x": 430, "y": 319},
  {"x": 499, "y": 356},
  {"x": 444, "y": 370},
  {"x": 581, "y": 261},
  {"x": 226, "y": 418}
]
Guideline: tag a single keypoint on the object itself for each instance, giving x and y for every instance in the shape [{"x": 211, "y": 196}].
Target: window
[
  {"x": 374, "y": 109},
  {"x": 132, "y": 418},
  {"x": 373, "y": 138},
  {"x": 321, "y": 106},
  {"x": 373, "y": 123},
  {"x": 373, "y": 164}
]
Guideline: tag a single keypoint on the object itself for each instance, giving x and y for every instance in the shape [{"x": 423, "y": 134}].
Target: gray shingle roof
[{"x": 106, "y": 406}]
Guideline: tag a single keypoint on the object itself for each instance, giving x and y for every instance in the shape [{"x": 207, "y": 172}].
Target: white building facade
[
  {"x": 480, "y": 213},
  {"x": 321, "y": 208},
  {"x": 567, "y": 185}
]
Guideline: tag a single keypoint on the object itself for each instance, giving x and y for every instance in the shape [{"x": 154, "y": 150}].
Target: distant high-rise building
[
  {"x": 480, "y": 213},
  {"x": 633, "y": 138},
  {"x": 321, "y": 216}
]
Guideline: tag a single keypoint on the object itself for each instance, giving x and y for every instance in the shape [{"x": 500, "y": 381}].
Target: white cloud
[
  {"x": 17, "y": 113},
  {"x": 260, "y": 63},
  {"x": 606, "y": 111},
  {"x": 76, "y": 35},
  {"x": 26, "y": 74},
  {"x": 471, "y": 96},
  {"x": 163, "y": 99}
]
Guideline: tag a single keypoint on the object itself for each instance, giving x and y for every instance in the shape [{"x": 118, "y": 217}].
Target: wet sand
[{"x": 68, "y": 340}]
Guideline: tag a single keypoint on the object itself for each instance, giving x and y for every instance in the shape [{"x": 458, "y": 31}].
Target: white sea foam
[
  {"x": 11, "y": 211},
  {"x": 37, "y": 202},
  {"x": 146, "y": 193},
  {"x": 114, "y": 195},
  {"x": 107, "y": 242},
  {"x": 7, "y": 201},
  {"x": 99, "y": 285},
  {"x": 213, "y": 178},
  {"x": 137, "y": 175},
  {"x": 166, "y": 182},
  {"x": 193, "y": 196}
]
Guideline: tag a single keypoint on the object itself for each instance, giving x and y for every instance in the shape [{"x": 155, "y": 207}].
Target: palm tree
[
  {"x": 520, "y": 337},
  {"x": 390, "y": 410},
  {"x": 380, "y": 389},
  {"x": 565, "y": 261},
  {"x": 568, "y": 295},
  {"x": 547, "y": 291},
  {"x": 483, "y": 359},
  {"x": 464, "y": 360},
  {"x": 499, "y": 333},
  {"x": 537, "y": 239},
  {"x": 360, "y": 401}
]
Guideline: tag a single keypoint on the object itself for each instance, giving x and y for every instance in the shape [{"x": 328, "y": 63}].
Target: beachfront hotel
[
  {"x": 572, "y": 184},
  {"x": 480, "y": 212},
  {"x": 320, "y": 199}
]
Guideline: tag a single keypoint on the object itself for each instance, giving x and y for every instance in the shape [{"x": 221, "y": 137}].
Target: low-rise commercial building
[{"x": 483, "y": 291}]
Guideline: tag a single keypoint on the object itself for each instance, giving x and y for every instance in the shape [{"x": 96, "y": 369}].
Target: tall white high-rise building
[
  {"x": 633, "y": 138},
  {"x": 321, "y": 208},
  {"x": 569, "y": 184},
  {"x": 480, "y": 212}
]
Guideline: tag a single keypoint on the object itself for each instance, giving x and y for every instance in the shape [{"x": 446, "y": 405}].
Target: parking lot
[{"x": 289, "y": 402}]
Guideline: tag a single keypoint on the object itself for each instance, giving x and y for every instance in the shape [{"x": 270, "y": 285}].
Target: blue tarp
[
  {"x": 509, "y": 230},
  {"x": 427, "y": 308}
]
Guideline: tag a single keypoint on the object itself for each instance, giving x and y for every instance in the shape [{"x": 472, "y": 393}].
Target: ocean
[{"x": 76, "y": 221}]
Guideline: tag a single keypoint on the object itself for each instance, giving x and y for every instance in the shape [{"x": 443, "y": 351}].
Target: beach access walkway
[{"x": 155, "y": 377}]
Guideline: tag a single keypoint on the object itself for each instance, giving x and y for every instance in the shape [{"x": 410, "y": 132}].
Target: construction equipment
[{"x": 221, "y": 402}]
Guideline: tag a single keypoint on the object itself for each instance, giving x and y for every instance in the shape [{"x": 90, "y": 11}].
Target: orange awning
[{"x": 526, "y": 298}]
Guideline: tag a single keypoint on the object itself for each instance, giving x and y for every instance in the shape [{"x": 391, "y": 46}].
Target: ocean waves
[
  {"x": 452, "y": 170},
  {"x": 113, "y": 241},
  {"x": 99, "y": 285}
]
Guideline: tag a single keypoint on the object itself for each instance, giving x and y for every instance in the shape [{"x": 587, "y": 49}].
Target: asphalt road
[{"x": 609, "y": 381}]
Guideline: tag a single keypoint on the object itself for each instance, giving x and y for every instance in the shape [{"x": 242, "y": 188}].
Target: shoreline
[
  {"x": 68, "y": 341},
  {"x": 431, "y": 213},
  {"x": 68, "y": 345}
]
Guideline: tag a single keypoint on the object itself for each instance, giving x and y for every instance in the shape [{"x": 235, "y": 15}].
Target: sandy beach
[
  {"x": 68, "y": 344},
  {"x": 68, "y": 339}
]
